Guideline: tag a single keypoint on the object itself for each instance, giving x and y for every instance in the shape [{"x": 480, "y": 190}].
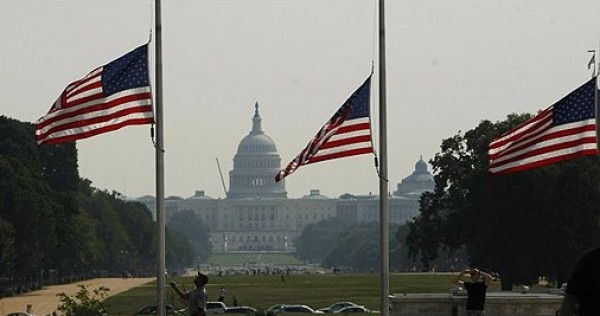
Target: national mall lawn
[{"x": 315, "y": 290}]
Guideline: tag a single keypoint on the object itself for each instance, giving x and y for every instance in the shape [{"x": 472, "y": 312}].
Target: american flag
[
  {"x": 565, "y": 130},
  {"x": 108, "y": 98},
  {"x": 347, "y": 133}
]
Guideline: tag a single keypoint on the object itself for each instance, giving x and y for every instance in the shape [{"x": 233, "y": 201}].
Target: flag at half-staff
[
  {"x": 108, "y": 98},
  {"x": 347, "y": 133},
  {"x": 563, "y": 131}
]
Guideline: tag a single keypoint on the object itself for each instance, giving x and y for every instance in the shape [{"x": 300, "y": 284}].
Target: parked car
[
  {"x": 353, "y": 309},
  {"x": 216, "y": 307},
  {"x": 295, "y": 309},
  {"x": 274, "y": 309},
  {"x": 151, "y": 310},
  {"x": 19, "y": 314},
  {"x": 336, "y": 306},
  {"x": 245, "y": 310}
]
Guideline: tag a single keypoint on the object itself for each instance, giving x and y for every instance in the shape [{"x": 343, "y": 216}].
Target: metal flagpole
[
  {"x": 592, "y": 63},
  {"x": 383, "y": 181},
  {"x": 160, "y": 167}
]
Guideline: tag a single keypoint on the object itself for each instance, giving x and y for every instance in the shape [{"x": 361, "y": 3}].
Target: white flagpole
[
  {"x": 160, "y": 167},
  {"x": 383, "y": 173}
]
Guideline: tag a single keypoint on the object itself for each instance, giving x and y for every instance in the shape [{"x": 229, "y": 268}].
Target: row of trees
[
  {"x": 53, "y": 224},
  {"x": 338, "y": 243},
  {"x": 523, "y": 225}
]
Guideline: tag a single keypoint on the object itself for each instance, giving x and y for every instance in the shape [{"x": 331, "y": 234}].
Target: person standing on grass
[
  {"x": 476, "y": 287},
  {"x": 221, "y": 296},
  {"x": 196, "y": 298}
]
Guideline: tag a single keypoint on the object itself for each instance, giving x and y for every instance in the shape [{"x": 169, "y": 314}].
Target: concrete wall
[{"x": 496, "y": 304}]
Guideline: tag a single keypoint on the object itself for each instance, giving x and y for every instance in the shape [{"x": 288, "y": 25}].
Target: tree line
[
  {"x": 345, "y": 245},
  {"x": 521, "y": 226},
  {"x": 55, "y": 226}
]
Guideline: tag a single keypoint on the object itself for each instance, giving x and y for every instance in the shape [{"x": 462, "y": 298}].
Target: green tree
[
  {"x": 120, "y": 235},
  {"x": 142, "y": 231},
  {"x": 345, "y": 244},
  {"x": 7, "y": 248},
  {"x": 316, "y": 238},
  {"x": 84, "y": 303},
  {"x": 26, "y": 201},
  {"x": 52, "y": 222},
  {"x": 357, "y": 248},
  {"x": 109, "y": 229},
  {"x": 424, "y": 239},
  {"x": 521, "y": 225},
  {"x": 179, "y": 251},
  {"x": 191, "y": 226},
  {"x": 59, "y": 169}
]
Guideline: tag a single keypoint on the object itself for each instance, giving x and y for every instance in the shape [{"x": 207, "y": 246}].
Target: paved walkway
[{"x": 45, "y": 301}]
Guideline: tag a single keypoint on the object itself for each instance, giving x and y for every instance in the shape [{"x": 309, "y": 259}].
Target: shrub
[{"x": 84, "y": 303}]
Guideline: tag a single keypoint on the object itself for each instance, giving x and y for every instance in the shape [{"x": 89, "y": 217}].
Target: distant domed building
[
  {"x": 255, "y": 165},
  {"x": 418, "y": 182},
  {"x": 257, "y": 215}
]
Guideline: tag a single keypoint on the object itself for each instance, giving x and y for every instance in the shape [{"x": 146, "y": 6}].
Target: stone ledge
[{"x": 497, "y": 304}]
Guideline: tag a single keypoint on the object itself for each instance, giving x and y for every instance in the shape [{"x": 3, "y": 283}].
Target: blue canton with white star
[
  {"x": 128, "y": 72},
  {"x": 577, "y": 105},
  {"x": 360, "y": 101}
]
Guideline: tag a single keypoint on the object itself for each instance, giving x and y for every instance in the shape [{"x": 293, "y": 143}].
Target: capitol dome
[
  {"x": 255, "y": 165},
  {"x": 418, "y": 182},
  {"x": 256, "y": 142}
]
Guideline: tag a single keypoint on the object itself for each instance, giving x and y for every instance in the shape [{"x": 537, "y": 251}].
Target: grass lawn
[{"x": 315, "y": 290}]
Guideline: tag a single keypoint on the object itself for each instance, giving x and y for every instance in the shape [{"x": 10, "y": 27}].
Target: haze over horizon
[{"x": 449, "y": 66}]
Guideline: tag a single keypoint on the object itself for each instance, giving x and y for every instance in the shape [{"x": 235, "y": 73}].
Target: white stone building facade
[{"x": 257, "y": 215}]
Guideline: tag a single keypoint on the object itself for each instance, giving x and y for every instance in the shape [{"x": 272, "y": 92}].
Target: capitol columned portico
[{"x": 257, "y": 215}]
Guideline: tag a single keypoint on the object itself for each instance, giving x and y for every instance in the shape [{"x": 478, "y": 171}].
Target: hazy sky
[{"x": 450, "y": 64}]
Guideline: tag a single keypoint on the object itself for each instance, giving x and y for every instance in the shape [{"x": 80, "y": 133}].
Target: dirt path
[{"x": 45, "y": 301}]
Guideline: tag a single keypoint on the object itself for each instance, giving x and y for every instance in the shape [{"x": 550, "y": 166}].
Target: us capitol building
[{"x": 257, "y": 215}]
